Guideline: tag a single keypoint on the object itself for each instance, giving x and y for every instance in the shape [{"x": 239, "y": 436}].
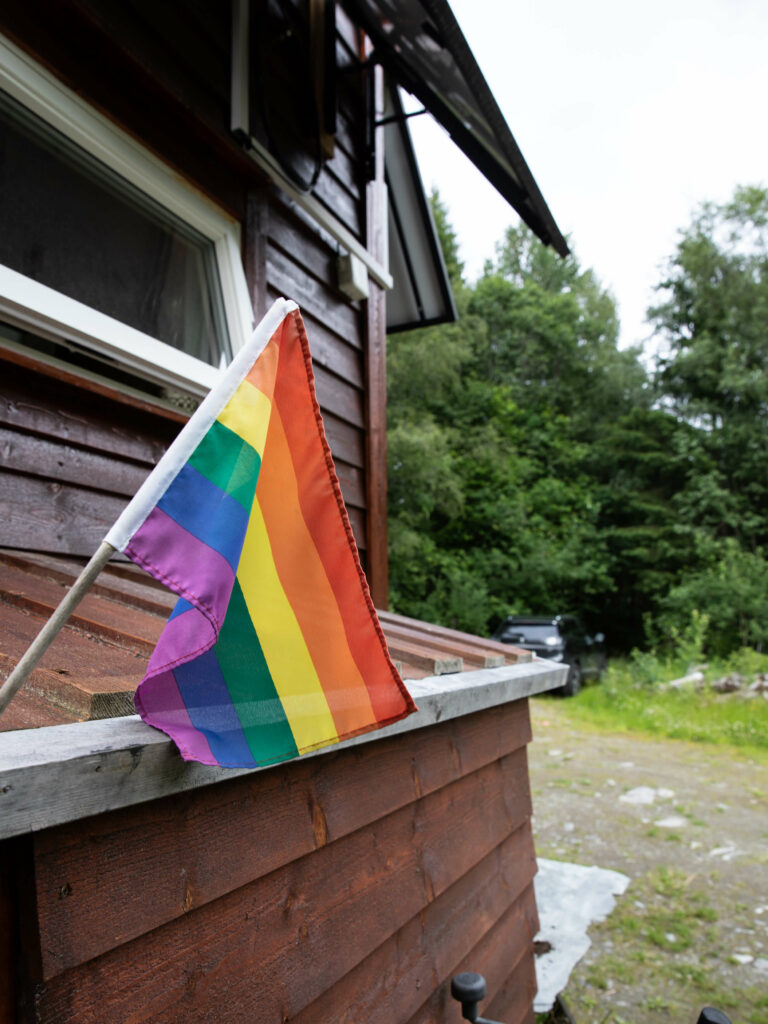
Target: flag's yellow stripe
[
  {"x": 290, "y": 665},
  {"x": 247, "y": 414}
]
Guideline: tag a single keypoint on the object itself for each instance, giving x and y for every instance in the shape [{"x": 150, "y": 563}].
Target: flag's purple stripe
[
  {"x": 182, "y": 562},
  {"x": 210, "y": 708},
  {"x": 185, "y": 636},
  {"x": 159, "y": 703},
  {"x": 212, "y": 515}
]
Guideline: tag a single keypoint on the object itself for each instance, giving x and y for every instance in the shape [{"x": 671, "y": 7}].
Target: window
[{"x": 103, "y": 247}]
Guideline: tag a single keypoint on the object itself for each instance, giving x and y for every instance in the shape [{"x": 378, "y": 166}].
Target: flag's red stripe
[{"x": 335, "y": 546}]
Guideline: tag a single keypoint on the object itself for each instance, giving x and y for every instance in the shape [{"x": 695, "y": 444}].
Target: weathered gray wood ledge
[{"x": 61, "y": 773}]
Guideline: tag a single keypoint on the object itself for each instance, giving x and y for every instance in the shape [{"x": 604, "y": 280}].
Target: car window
[{"x": 530, "y": 633}]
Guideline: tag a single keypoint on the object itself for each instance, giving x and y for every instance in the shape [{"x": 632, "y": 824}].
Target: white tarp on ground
[{"x": 570, "y": 898}]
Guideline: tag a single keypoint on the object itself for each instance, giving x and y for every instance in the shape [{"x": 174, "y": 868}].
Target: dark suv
[{"x": 558, "y": 638}]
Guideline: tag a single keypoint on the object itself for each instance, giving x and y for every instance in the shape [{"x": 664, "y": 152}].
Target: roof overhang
[{"x": 420, "y": 44}]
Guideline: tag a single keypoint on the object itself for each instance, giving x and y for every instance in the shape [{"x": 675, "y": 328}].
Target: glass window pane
[{"x": 71, "y": 223}]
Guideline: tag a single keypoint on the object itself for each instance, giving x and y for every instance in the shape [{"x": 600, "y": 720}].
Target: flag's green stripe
[
  {"x": 229, "y": 462},
  {"x": 250, "y": 685}
]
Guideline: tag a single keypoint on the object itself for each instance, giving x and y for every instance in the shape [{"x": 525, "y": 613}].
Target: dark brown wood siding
[
  {"x": 72, "y": 456},
  {"x": 347, "y": 887},
  {"x": 162, "y": 72}
]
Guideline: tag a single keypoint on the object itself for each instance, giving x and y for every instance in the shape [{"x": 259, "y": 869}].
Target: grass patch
[
  {"x": 664, "y": 944},
  {"x": 634, "y": 697}
]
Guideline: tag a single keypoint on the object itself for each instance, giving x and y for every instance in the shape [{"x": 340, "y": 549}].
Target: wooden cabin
[{"x": 166, "y": 170}]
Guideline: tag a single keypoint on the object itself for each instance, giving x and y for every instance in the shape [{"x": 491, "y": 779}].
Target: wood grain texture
[
  {"x": 9, "y": 939},
  {"x": 510, "y": 653},
  {"x": 335, "y": 354},
  {"x": 475, "y": 654},
  {"x": 352, "y": 484},
  {"x": 357, "y": 522},
  {"x": 255, "y": 229},
  {"x": 35, "y": 402},
  {"x": 262, "y": 952},
  {"x": 431, "y": 662},
  {"x": 102, "y": 389},
  {"x": 125, "y": 583},
  {"x": 335, "y": 394},
  {"x": 71, "y": 460},
  {"x": 44, "y": 515},
  {"x": 396, "y": 980},
  {"x": 318, "y": 297},
  {"x": 134, "y": 630},
  {"x": 335, "y": 197},
  {"x": 293, "y": 809},
  {"x": 346, "y": 441},
  {"x": 67, "y": 463},
  {"x": 504, "y": 956}
]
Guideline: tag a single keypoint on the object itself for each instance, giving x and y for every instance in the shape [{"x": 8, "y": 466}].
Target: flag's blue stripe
[
  {"x": 205, "y": 694},
  {"x": 182, "y": 605},
  {"x": 203, "y": 509}
]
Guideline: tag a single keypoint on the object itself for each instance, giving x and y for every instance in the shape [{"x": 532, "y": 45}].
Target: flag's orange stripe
[
  {"x": 307, "y": 588},
  {"x": 263, "y": 372},
  {"x": 328, "y": 525}
]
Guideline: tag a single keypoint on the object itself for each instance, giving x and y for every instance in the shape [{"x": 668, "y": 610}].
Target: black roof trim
[{"x": 421, "y": 45}]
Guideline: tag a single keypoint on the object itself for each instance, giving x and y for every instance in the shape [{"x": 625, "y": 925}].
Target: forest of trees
[{"x": 536, "y": 467}]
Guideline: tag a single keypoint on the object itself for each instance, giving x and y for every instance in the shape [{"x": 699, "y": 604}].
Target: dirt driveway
[{"x": 689, "y": 826}]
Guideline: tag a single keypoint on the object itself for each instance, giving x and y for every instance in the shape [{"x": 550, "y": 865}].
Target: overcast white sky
[{"x": 627, "y": 114}]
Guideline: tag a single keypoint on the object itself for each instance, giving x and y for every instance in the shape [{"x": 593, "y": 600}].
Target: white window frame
[{"x": 45, "y": 311}]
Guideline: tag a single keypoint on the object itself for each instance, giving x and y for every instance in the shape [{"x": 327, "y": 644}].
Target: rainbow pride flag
[{"x": 274, "y": 647}]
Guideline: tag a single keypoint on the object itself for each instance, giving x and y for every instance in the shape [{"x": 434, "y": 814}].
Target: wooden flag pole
[{"x": 45, "y": 637}]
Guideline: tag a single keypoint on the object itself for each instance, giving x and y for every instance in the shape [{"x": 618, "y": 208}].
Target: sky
[{"x": 628, "y": 115}]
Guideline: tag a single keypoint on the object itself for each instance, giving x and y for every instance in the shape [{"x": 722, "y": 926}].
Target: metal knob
[
  {"x": 709, "y": 1015},
  {"x": 468, "y": 988}
]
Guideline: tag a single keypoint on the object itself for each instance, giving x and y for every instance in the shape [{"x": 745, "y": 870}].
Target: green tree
[
  {"x": 713, "y": 371},
  {"x": 493, "y": 502}
]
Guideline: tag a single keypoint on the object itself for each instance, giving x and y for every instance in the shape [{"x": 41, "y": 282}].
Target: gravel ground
[{"x": 689, "y": 825}]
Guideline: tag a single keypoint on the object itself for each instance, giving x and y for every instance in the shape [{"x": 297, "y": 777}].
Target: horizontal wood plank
[
  {"x": 54, "y": 409},
  {"x": 334, "y": 353},
  {"x": 337, "y": 396},
  {"x": 289, "y": 278},
  {"x": 475, "y": 654},
  {"x": 346, "y": 440},
  {"x": 333, "y": 194},
  {"x": 96, "y": 615},
  {"x": 513, "y": 1002},
  {"x": 139, "y": 590},
  {"x": 295, "y": 807},
  {"x": 352, "y": 484},
  {"x": 9, "y": 938},
  {"x": 509, "y": 652},
  {"x": 101, "y": 766},
  {"x": 43, "y": 515},
  {"x": 504, "y": 956},
  {"x": 416, "y": 655},
  {"x": 397, "y": 978},
  {"x": 261, "y": 952},
  {"x": 357, "y": 522},
  {"x": 68, "y": 463}
]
